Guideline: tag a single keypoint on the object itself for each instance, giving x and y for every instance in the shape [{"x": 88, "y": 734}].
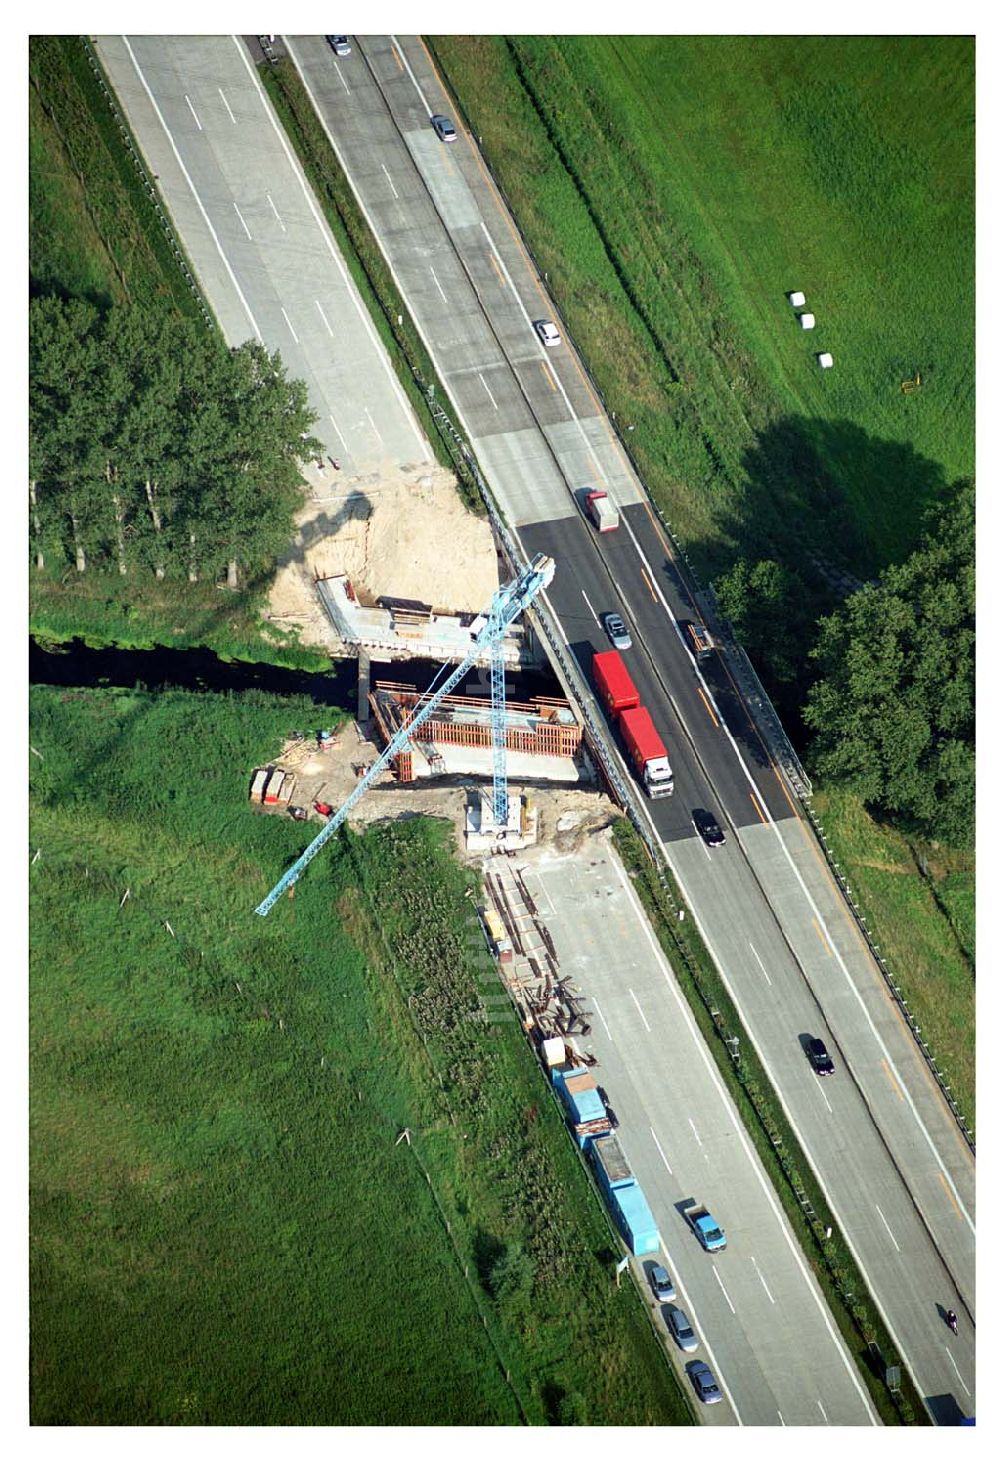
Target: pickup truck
[{"x": 706, "y": 1230}]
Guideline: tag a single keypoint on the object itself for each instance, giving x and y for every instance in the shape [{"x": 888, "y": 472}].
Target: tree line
[
  {"x": 155, "y": 450},
  {"x": 887, "y": 680}
]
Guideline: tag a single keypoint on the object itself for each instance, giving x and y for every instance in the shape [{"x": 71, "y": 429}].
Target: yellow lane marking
[
  {"x": 652, "y": 591},
  {"x": 760, "y": 812},
  {"x": 496, "y": 267},
  {"x": 890, "y": 1076},
  {"x": 396, "y": 55},
  {"x": 548, "y": 375},
  {"x": 951, "y": 1196},
  {"x": 822, "y": 938},
  {"x": 705, "y": 703}
]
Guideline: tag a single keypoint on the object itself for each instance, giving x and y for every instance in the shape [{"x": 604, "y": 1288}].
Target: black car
[
  {"x": 818, "y": 1057},
  {"x": 708, "y": 828}
]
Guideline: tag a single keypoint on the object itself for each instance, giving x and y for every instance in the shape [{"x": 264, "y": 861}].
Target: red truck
[{"x": 643, "y": 743}]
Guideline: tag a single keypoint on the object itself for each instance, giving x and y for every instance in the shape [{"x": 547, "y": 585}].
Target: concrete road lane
[
  {"x": 760, "y": 1318},
  {"x": 258, "y": 242}
]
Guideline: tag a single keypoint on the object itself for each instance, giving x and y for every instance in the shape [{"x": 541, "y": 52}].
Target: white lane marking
[
  {"x": 641, "y": 1014},
  {"x": 695, "y": 1130},
  {"x": 678, "y": 869},
  {"x": 763, "y": 1281},
  {"x": 958, "y": 1374},
  {"x": 781, "y": 1419},
  {"x": 399, "y": 52},
  {"x": 194, "y": 192},
  {"x": 441, "y": 290},
  {"x": 326, "y": 322},
  {"x": 730, "y": 1110},
  {"x": 352, "y": 291},
  {"x": 888, "y": 1230},
  {"x": 489, "y": 392},
  {"x": 822, "y": 1410},
  {"x": 341, "y": 76},
  {"x": 193, "y": 113},
  {"x": 674, "y": 1274},
  {"x": 723, "y": 1289},
  {"x": 600, "y": 1013},
  {"x": 659, "y": 1148},
  {"x": 275, "y": 209},
  {"x": 545, "y": 358},
  {"x": 590, "y": 606},
  {"x": 340, "y": 437},
  {"x": 388, "y": 176},
  {"x": 226, "y": 105},
  {"x": 822, "y": 1092},
  {"x": 373, "y": 424},
  {"x": 760, "y": 964},
  {"x": 242, "y": 221},
  {"x": 805, "y": 891},
  {"x": 289, "y": 322}
]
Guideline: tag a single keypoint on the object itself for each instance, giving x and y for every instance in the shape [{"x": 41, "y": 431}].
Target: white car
[{"x": 548, "y": 332}]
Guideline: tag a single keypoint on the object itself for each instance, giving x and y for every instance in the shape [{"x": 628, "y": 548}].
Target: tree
[
  {"x": 893, "y": 710},
  {"x": 772, "y": 614},
  {"x": 511, "y": 1276}
]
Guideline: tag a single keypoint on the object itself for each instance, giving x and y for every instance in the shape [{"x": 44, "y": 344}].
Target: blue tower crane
[{"x": 506, "y": 605}]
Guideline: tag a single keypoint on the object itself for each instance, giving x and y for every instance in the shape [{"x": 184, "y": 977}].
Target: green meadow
[{"x": 225, "y": 1227}]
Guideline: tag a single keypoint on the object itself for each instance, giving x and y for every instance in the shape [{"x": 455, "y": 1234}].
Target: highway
[
  {"x": 761, "y": 1320},
  {"x": 897, "y": 1175},
  {"x": 896, "y": 1172}
]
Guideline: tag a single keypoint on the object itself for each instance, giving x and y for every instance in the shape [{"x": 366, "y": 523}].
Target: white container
[
  {"x": 806, "y": 320},
  {"x": 825, "y": 360},
  {"x": 797, "y": 299}
]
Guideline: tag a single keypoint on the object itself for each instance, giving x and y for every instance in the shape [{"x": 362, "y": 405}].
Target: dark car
[
  {"x": 707, "y": 826},
  {"x": 340, "y": 44},
  {"x": 818, "y": 1057},
  {"x": 705, "y": 1384},
  {"x": 681, "y": 1329},
  {"x": 444, "y": 128}
]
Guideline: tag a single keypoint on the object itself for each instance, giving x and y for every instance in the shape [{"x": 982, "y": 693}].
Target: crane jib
[{"x": 507, "y": 603}]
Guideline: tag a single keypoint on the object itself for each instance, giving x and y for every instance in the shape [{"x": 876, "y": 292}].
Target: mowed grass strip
[
  {"x": 223, "y": 1227},
  {"x": 676, "y": 188}
]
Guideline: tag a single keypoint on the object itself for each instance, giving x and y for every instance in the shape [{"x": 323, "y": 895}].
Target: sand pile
[{"x": 401, "y": 532}]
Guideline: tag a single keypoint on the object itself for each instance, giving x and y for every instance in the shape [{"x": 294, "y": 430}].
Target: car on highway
[
  {"x": 617, "y": 631},
  {"x": 708, "y": 827},
  {"x": 680, "y": 1328},
  {"x": 704, "y": 1381},
  {"x": 548, "y": 332},
  {"x": 444, "y": 128},
  {"x": 819, "y": 1058},
  {"x": 661, "y": 1284},
  {"x": 340, "y": 44}
]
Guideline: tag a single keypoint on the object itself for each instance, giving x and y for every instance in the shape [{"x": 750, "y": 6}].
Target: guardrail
[{"x": 149, "y": 185}]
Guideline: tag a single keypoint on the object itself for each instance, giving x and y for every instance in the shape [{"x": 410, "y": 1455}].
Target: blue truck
[
  {"x": 623, "y": 1194},
  {"x": 706, "y": 1230},
  {"x": 582, "y": 1101}
]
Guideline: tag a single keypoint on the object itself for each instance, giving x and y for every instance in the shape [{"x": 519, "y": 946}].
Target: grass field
[
  {"x": 223, "y": 1229},
  {"x": 675, "y": 188},
  {"x": 925, "y": 924}
]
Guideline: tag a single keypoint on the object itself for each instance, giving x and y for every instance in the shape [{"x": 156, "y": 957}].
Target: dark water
[{"x": 76, "y": 664}]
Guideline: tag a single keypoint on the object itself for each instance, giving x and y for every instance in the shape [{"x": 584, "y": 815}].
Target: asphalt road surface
[
  {"x": 895, "y": 1170},
  {"x": 761, "y": 1320},
  {"x": 884, "y": 1146}
]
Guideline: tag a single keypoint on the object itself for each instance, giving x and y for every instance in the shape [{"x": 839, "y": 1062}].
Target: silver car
[
  {"x": 661, "y": 1284},
  {"x": 340, "y": 44},
  {"x": 617, "y": 632},
  {"x": 680, "y": 1328},
  {"x": 444, "y": 128}
]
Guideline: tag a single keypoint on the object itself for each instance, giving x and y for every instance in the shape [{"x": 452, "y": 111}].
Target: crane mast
[{"x": 506, "y": 605}]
